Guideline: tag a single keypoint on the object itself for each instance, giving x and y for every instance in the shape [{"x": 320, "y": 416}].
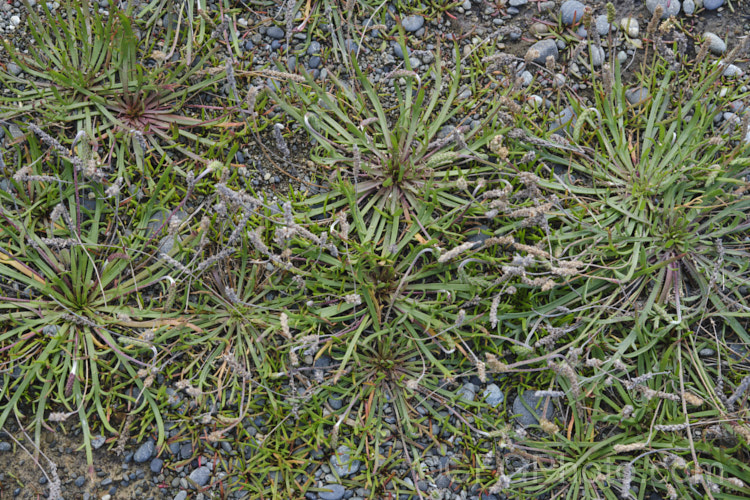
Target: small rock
[
  {"x": 670, "y": 7},
  {"x": 181, "y": 495},
  {"x": 732, "y": 71},
  {"x": 564, "y": 121},
  {"x": 712, "y": 4},
  {"x": 332, "y": 492},
  {"x": 342, "y": 463},
  {"x": 636, "y": 96},
  {"x": 706, "y": 352},
  {"x": 412, "y": 23},
  {"x": 275, "y": 32},
  {"x": 603, "y": 26},
  {"x": 526, "y": 417},
  {"x": 313, "y": 48},
  {"x": 4, "y": 446},
  {"x": 314, "y": 62},
  {"x": 597, "y": 56},
  {"x": 526, "y": 78},
  {"x": 630, "y": 26},
  {"x": 493, "y": 396},
  {"x": 688, "y": 6},
  {"x": 538, "y": 28},
  {"x": 14, "y": 69},
  {"x": 571, "y": 12},
  {"x": 517, "y": 3},
  {"x": 80, "y": 481},
  {"x": 156, "y": 465},
  {"x": 544, "y": 48},
  {"x": 144, "y": 452},
  {"x": 467, "y": 392},
  {"x": 200, "y": 475},
  {"x": 98, "y": 441},
  {"x": 15, "y": 20},
  {"x": 715, "y": 44}
]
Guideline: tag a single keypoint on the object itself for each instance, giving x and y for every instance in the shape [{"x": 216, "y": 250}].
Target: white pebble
[
  {"x": 15, "y": 20},
  {"x": 630, "y": 25}
]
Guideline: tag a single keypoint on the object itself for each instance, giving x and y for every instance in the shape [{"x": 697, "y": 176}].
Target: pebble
[
  {"x": 731, "y": 71},
  {"x": 14, "y": 69},
  {"x": 526, "y": 417},
  {"x": 467, "y": 392},
  {"x": 636, "y": 96},
  {"x": 412, "y": 23},
  {"x": 671, "y": 7},
  {"x": 603, "y": 26},
  {"x": 98, "y": 441},
  {"x": 144, "y": 451},
  {"x": 688, "y": 6},
  {"x": 275, "y": 32},
  {"x": 156, "y": 465},
  {"x": 538, "y": 28},
  {"x": 493, "y": 396},
  {"x": 200, "y": 475},
  {"x": 342, "y": 463},
  {"x": 4, "y": 446},
  {"x": 15, "y": 20},
  {"x": 597, "y": 56},
  {"x": 314, "y": 62},
  {"x": 332, "y": 492},
  {"x": 526, "y": 78},
  {"x": 715, "y": 44},
  {"x": 706, "y": 352},
  {"x": 630, "y": 26},
  {"x": 712, "y": 4},
  {"x": 181, "y": 495},
  {"x": 517, "y": 3},
  {"x": 571, "y": 11},
  {"x": 313, "y": 48},
  {"x": 80, "y": 481},
  {"x": 545, "y": 48}
]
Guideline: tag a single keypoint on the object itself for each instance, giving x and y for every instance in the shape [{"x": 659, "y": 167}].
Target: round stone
[
  {"x": 144, "y": 452},
  {"x": 636, "y": 96},
  {"x": 493, "y": 396},
  {"x": 156, "y": 465},
  {"x": 275, "y": 32},
  {"x": 715, "y": 44},
  {"x": 603, "y": 26},
  {"x": 200, "y": 475},
  {"x": 571, "y": 12},
  {"x": 412, "y": 23},
  {"x": 545, "y": 48},
  {"x": 688, "y": 6},
  {"x": 342, "y": 463},
  {"x": 332, "y": 492},
  {"x": 528, "y": 409},
  {"x": 630, "y": 26},
  {"x": 712, "y": 4},
  {"x": 669, "y": 7}
]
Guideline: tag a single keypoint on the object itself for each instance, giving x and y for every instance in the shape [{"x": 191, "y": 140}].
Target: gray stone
[
  {"x": 275, "y": 32},
  {"x": 525, "y": 416},
  {"x": 335, "y": 403},
  {"x": 493, "y": 396},
  {"x": 545, "y": 48},
  {"x": 332, "y": 492},
  {"x": 80, "y": 481},
  {"x": 144, "y": 452},
  {"x": 342, "y": 463},
  {"x": 200, "y": 475},
  {"x": 712, "y": 4},
  {"x": 597, "y": 56},
  {"x": 313, "y": 48},
  {"x": 630, "y": 26},
  {"x": 636, "y": 96},
  {"x": 564, "y": 121},
  {"x": 571, "y": 11},
  {"x": 670, "y": 7},
  {"x": 314, "y": 62},
  {"x": 715, "y": 44},
  {"x": 181, "y": 495},
  {"x": 731, "y": 71},
  {"x": 412, "y": 23},
  {"x": 706, "y": 352},
  {"x": 688, "y": 6},
  {"x": 517, "y": 3},
  {"x": 603, "y": 26},
  {"x": 14, "y": 69},
  {"x": 156, "y": 465},
  {"x": 5, "y": 446},
  {"x": 98, "y": 441},
  {"x": 527, "y": 78},
  {"x": 467, "y": 392}
]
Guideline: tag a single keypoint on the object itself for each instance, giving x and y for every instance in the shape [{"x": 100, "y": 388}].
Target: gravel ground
[{"x": 182, "y": 469}]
